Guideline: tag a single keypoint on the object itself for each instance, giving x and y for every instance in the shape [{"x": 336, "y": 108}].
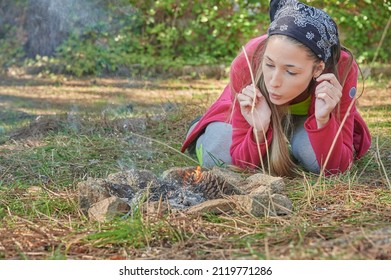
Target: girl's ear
[{"x": 319, "y": 69}]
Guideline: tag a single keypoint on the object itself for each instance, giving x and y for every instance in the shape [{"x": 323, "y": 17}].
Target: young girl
[{"x": 304, "y": 91}]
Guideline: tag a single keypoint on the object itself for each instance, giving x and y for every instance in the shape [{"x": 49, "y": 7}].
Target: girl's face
[{"x": 287, "y": 70}]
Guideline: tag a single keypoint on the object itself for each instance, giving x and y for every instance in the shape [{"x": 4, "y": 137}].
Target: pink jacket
[{"x": 244, "y": 150}]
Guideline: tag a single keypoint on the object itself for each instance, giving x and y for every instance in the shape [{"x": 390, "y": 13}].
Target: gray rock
[
  {"x": 107, "y": 209},
  {"x": 281, "y": 204},
  {"x": 90, "y": 192},
  {"x": 215, "y": 206},
  {"x": 265, "y": 204},
  {"x": 135, "y": 179},
  {"x": 232, "y": 178},
  {"x": 261, "y": 182}
]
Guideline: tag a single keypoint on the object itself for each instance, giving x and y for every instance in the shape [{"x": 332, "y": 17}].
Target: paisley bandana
[{"x": 308, "y": 25}]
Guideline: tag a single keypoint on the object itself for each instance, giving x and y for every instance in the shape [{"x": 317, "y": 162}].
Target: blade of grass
[
  {"x": 334, "y": 142},
  {"x": 381, "y": 165},
  {"x": 252, "y": 113}
]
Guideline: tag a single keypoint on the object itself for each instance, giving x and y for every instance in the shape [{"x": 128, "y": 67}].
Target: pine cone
[{"x": 213, "y": 186}]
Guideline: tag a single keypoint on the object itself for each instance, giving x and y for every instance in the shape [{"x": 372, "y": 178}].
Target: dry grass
[{"x": 57, "y": 132}]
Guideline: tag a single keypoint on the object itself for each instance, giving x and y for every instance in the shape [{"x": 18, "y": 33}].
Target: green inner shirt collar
[{"x": 301, "y": 108}]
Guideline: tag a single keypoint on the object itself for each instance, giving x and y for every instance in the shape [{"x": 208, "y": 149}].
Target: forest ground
[{"x": 57, "y": 131}]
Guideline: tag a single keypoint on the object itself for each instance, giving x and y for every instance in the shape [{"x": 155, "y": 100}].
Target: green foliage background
[{"x": 159, "y": 35}]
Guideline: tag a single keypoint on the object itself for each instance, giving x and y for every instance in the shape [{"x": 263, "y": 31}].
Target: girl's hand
[
  {"x": 328, "y": 93},
  {"x": 259, "y": 117}
]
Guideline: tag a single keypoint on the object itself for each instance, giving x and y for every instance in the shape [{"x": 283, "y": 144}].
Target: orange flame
[
  {"x": 197, "y": 174},
  {"x": 193, "y": 176}
]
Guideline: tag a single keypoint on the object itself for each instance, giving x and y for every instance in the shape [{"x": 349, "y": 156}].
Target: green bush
[
  {"x": 361, "y": 25},
  {"x": 174, "y": 33},
  {"x": 165, "y": 34},
  {"x": 11, "y": 51},
  {"x": 137, "y": 34}
]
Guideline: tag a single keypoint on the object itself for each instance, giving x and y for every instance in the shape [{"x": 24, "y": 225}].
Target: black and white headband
[{"x": 308, "y": 25}]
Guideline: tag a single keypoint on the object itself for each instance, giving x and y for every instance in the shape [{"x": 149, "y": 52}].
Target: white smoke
[{"x": 75, "y": 15}]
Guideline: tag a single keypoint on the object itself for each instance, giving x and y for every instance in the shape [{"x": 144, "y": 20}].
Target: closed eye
[{"x": 291, "y": 73}]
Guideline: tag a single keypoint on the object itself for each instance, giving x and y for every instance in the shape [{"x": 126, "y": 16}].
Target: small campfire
[
  {"x": 190, "y": 189},
  {"x": 195, "y": 175}
]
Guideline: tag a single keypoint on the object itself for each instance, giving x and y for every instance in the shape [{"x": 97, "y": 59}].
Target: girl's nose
[{"x": 275, "y": 80}]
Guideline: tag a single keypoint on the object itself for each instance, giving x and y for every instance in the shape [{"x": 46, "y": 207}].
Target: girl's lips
[{"x": 275, "y": 96}]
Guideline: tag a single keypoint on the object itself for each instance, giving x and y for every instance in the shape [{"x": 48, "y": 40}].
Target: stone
[
  {"x": 256, "y": 205},
  {"x": 282, "y": 204},
  {"x": 233, "y": 178},
  {"x": 90, "y": 192},
  {"x": 123, "y": 191},
  {"x": 107, "y": 209},
  {"x": 264, "y": 204},
  {"x": 260, "y": 182},
  {"x": 134, "y": 179},
  {"x": 215, "y": 206},
  {"x": 131, "y": 185}
]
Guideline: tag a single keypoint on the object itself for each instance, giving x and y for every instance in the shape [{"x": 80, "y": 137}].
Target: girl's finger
[
  {"x": 324, "y": 86},
  {"x": 249, "y": 92},
  {"x": 328, "y": 99},
  {"x": 244, "y": 99},
  {"x": 245, "y": 105},
  {"x": 324, "y": 96},
  {"x": 243, "y": 96},
  {"x": 329, "y": 88},
  {"x": 329, "y": 77}
]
